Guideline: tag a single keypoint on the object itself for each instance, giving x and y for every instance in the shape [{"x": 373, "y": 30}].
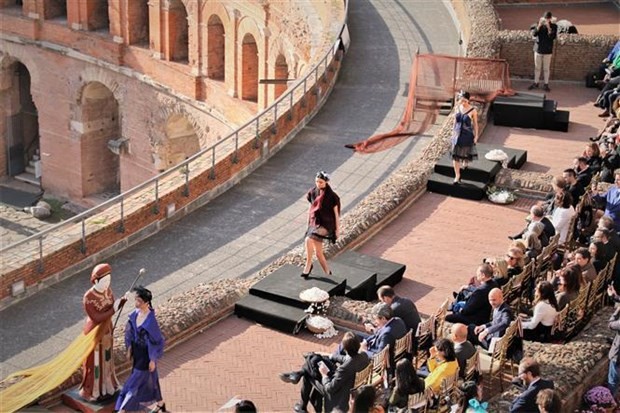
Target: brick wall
[
  {"x": 149, "y": 213},
  {"x": 574, "y": 55}
]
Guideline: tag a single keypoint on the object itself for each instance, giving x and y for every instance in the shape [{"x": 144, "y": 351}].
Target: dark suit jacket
[
  {"x": 336, "y": 387},
  {"x": 477, "y": 308},
  {"x": 464, "y": 351},
  {"x": 576, "y": 191},
  {"x": 502, "y": 316},
  {"x": 406, "y": 310},
  {"x": 526, "y": 401},
  {"x": 388, "y": 334},
  {"x": 584, "y": 177}
]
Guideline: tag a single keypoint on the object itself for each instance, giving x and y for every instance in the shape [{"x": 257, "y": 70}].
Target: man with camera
[
  {"x": 543, "y": 33},
  {"x": 332, "y": 376}
]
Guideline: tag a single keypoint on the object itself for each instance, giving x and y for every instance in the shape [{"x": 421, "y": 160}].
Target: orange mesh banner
[{"x": 434, "y": 80}]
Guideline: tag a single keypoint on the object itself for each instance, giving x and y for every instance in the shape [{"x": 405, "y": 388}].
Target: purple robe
[{"x": 146, "y": 343}]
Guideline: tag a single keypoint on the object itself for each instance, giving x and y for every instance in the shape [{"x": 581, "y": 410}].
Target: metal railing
[{"x": 115, "y": 210}]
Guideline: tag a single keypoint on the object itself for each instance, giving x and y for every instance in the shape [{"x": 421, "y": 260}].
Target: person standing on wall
[{"x": 544, "y": 33}]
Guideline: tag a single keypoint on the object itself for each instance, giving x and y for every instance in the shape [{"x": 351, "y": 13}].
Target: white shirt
[
  {"x": 560, "y": 220},
  {"x": 543, "y": 313}
]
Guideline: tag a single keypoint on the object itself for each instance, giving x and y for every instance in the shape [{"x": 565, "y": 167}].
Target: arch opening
[
  {"x": 178, "y": 29},
  {"x": 216, "y": 51},
  {"x": 249, "y": 69},
  {"x": 181, "y": 142},
  {"x": 139, "y": 28},
  {"x": 281, "y": 73},
  {"x": 101, "y": 124}
]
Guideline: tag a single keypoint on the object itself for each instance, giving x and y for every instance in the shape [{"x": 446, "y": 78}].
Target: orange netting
[{"x": 434, "y": 81}]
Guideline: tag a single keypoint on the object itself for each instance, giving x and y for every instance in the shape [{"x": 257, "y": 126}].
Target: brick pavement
[{"x": 441, "y": 240}]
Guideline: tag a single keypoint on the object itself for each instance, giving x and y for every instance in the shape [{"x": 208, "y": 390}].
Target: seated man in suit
[
  {"x": 402, "y": 308},
  {"x": 529, "y": 374},
  {"x": 537, "y": 214},
  {"x": 463, "y": 349},
  {"x": 502, "y": 316},
  {"x": 574, "y": 188},
  {"x": 385, "y": 329},
  {"x": 583, "y": 171},
  {"x": 333, "y": 377},
  {"x": 477, "y": 309}
]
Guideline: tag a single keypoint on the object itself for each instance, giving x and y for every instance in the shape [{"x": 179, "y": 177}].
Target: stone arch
[
  {"x": 13, "y": 52},
  {"x": 247, "y": 26},
  {"x": 181, "y": 141},
  {"x": 216, "y": 48},
  {"x": 95, "y": 74},
  {"x": 281, "y": 72},
  {"x": 19, "y": 123},
  {"x": 249, "y": 68},
  {"x": 100, "y": 128}
]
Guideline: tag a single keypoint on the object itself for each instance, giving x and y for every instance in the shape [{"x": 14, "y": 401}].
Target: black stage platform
[
  {"x": 388, "y": 272},
  {"x": 529, "y": 110},
  {"x": 274, "y": 301},
  {"x": 476, "y": 177}
]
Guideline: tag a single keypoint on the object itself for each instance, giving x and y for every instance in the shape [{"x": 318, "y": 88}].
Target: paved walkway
[
  {"x": 441, "y": 240},
  {"x": 263, "y": 217}
]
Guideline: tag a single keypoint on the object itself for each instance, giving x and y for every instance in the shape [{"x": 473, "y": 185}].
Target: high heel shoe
[
  {"x": 159, "y": 408},
  {"x": 306, "y": 275}
]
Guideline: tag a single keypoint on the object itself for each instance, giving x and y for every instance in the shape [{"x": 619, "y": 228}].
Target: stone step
[{"x": 28, "y": 178}]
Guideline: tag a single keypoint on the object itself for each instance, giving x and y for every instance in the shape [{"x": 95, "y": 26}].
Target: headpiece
[
  {"x": 100, "y": 271},
  {"x": 322, "y": 175}
]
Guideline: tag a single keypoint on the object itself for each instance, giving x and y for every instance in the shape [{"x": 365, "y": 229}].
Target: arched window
[
  {"x": 178, "y": 29},
  {"x": 249, "y": 69},
  {"x": 281, "y": 72},
  {"x": 216, "y": 68}
]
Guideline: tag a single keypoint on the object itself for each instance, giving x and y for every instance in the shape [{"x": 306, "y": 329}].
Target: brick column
[
  {"x": 263, "y": 67},
  {"x": 87, "y": 14},
  {"x": 156, "y": 29},
  {"x": 232, "y": 50},
  {"x": 32, "y": 8},
  {"x": 117, "y": 13}
]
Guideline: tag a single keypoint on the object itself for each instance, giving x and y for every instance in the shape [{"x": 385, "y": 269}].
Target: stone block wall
[{"x": 574, "y": 55}]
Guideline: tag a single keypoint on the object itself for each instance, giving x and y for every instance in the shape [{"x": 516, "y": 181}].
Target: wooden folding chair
[
  {"x": 380, "y": 363},
  {"x": 403, "y": 347},
  {"x": 440, "y": 319},
  {"x": 498, "y": 359},
  {"x": 362, "y": 377},
  {"x": 424, "y": 338},
  {"x": 472, "y": 367},
  {"x": 417, "y": 402},
  {"x": 558, "y": 329}
]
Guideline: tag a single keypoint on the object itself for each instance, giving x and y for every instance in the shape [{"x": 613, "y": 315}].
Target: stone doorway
[
  {"x": 22, "y": 125},
  {"x": 100, "y": 165}
]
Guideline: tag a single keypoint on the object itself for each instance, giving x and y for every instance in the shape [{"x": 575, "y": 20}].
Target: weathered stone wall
[{"x": 574, "y": 54}]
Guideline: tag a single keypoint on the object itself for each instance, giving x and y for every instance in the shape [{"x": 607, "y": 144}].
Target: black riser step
[
  {"x": 361, "y": 283},
  {"x": 561, "y": 119},
  {"x": 516, "y": 157},
  {"x": 388, "y": 272},
  {"x": 442, "y": 184},
  {"x": 285, "y": 284},
  {"x": 524, "y": 109},
  {"x": 480, "y": 170},
  {"x": 271, "y": 314}
]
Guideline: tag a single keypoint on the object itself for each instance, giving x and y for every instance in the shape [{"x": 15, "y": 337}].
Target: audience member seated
[
  {"x": 569, "y": 283},
  {"x": 584, "y": 173},
  {"x": 562, "y": 215},
  {"x": 607, "y": 223},
  {"x": 602, "y": 235},
  {"x": 532, "y": 383},
  {"x": 471, "y": 402},
  {"x": 612, "y": 201},
  {"x": 402, "y": 308},
  {"x": 573, "y": 187},
  {"x": 597, "y": 251},
  {"x": 386, "y": 330},
  {"x": 548, "y": 401},
  {"x": 592, "y": 154},
  {"x": 532, "y": 239},
  {"x": 521, "y": 246},
  {"x": 611, "y": 158},
  {"x": 364, "y": 400},
  {"x": 441, "y": 364},
  {"x": 406, "y": 383},
  {"x": 558, "y": 184},
  {"x": 483, "y": 334},
  {"x": 538, "y": 327},
  {"x": 332, "y": 377},
  {"x": 476, "y": 309},
  {"x": 463, "y": 349},
  {"x": 608, "y": 97},
  {"x": 583, "y": 259},
  {"x": 537, "y": 214}
]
